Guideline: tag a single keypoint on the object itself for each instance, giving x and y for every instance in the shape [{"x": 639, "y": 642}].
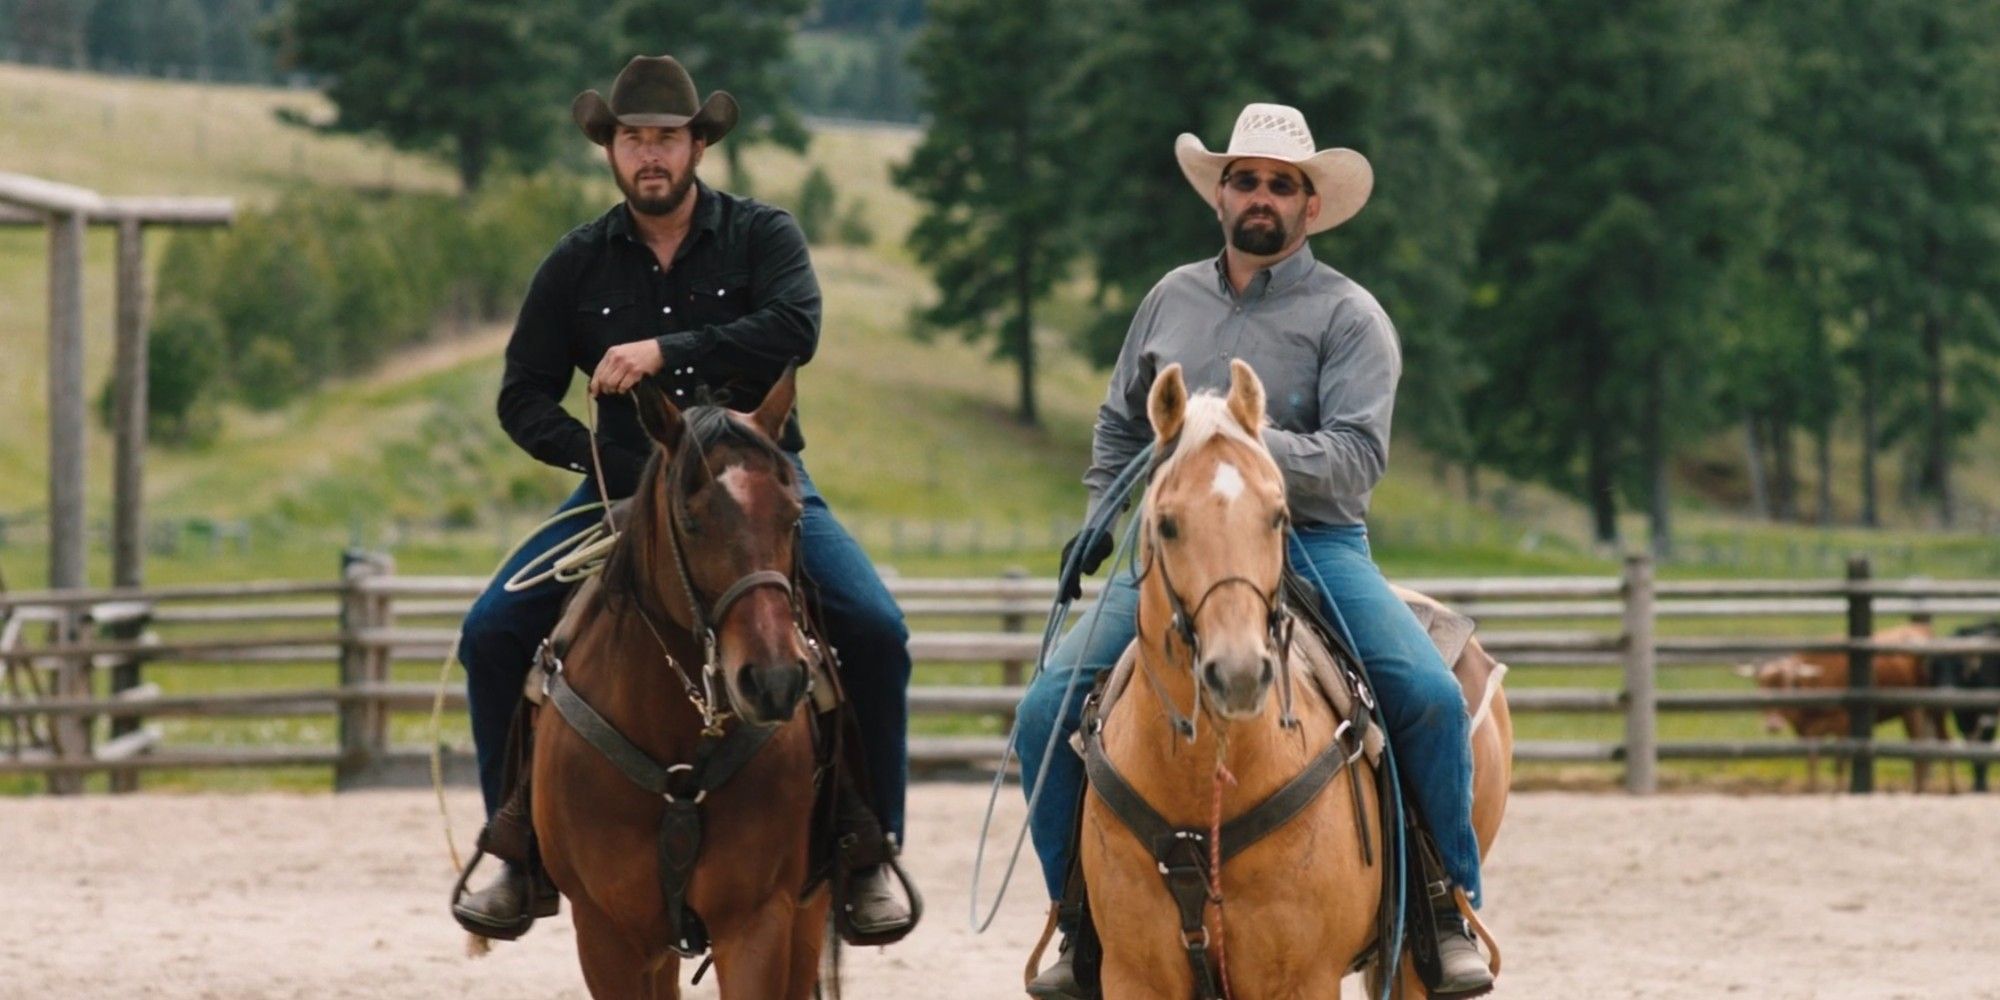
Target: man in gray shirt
[{"x": 1329, "y": 361}]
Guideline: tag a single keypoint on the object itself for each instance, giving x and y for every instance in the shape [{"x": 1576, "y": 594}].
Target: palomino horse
[
  {"x": 696, "y": 596},
  {"x": 1301, "y": 901}
]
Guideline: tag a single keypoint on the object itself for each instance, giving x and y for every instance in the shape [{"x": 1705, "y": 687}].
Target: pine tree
[
  {"x": 989, "y": 172},
  {"x": 477, "y": 80},
  {"x": 1625, "y": 145}
]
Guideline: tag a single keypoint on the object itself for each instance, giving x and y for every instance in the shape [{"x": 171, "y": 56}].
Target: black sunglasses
[{"x": 1280, "y": 185}]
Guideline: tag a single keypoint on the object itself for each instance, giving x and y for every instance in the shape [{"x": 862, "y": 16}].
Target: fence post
[
  {"x": 1860, "y": 677},
  {"x": 68, "y": 410},
  {"x": 1012, "y": 671},
  {"x": 364, "y": 731},
  {"x": 70, "y": 735},
  {"x": 126, "y": 621},
  {"x": 1641, "y": 718}
]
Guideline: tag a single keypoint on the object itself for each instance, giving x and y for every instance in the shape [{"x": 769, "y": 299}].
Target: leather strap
[
  {"x": 716, "y": 760},
  {"x": 1260, "y": 821},
  {"x": 1182, "y": 854}
]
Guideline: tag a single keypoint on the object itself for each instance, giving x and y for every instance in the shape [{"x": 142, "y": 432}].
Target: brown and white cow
[{"x": 1828, "y": 672}]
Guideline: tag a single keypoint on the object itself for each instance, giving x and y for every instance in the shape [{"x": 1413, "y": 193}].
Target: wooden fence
[{"x": 76, "y": 699}]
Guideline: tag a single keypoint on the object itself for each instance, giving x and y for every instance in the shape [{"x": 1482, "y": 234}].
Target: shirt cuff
[{"x": 681, "y": 348}]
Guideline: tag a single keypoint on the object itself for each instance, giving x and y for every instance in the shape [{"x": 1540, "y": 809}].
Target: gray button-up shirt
[{"x": 1323, "y": 347}]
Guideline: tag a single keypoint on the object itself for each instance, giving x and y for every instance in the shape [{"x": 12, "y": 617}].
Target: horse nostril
[{"x": 1268, "y": 672}]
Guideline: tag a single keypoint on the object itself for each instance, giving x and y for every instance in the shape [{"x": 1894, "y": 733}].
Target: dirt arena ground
[{"x": 1597, "y": 896}]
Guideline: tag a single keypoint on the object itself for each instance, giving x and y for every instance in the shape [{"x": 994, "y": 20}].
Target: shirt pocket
[
  {"x": 719, "y": 297},
  {"x": 610, "y": 318}
]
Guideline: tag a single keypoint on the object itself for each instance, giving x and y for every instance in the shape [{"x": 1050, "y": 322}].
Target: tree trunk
[
  {"x": 1598, "y": 458},
  {"x": 1936, "y": 476},
  {"x": 739, "y": 175},
  {"x": 1024, "y": 286},
  {"x": 1660, "y": 525},
  {"x": 1784, "y": 471},
  {"x": 1753, "y": 433},
  {"x": 472, "y": 156},
  {"x": 1024, "y": 343},
  {"x": 1823, "y": 446},
  {"x": 1870, "y": 510}
]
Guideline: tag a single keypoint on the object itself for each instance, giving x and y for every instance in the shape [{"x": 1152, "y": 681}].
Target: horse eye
[{"x": 1168, "y": 529}]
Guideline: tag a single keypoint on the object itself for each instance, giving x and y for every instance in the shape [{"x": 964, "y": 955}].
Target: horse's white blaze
[
  {"x": 735, "y": 479},
  {"x": 1228, "y": 482}
]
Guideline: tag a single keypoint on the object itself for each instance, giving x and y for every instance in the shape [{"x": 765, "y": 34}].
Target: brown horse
[
  {"x": 695, "y": 597},
  {"x": 1300, "y": 902}
]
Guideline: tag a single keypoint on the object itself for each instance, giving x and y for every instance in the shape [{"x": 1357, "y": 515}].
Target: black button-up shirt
[{"x": 739, "y": 302}]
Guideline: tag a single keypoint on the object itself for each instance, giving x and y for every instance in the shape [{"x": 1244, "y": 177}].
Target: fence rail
[{"x": 75, "y": 700}]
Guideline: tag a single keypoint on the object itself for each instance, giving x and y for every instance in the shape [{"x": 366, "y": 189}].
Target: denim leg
[
  {"x": 1054, "y": 704},
  {"x": 498, "y": 638},
  {"x": 1421, "y": 700},
  {"x": 867, "y": 630}
]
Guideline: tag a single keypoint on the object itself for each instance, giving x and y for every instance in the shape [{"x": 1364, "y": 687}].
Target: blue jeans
[
  {"x": 1428, "y": 727},
  {"x": 500, "y": 633}
]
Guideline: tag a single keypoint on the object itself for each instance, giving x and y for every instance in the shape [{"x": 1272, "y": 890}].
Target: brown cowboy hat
[{"x": 653, "y": 92}]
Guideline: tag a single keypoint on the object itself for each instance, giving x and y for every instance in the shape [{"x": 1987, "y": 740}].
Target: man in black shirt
[{"x": 697, "y": 290}]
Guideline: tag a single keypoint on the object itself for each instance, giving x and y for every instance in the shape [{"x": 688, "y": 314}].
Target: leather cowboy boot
[
  {"x": 508, "y": 905},
  {"x": 1058, "y": 981},
  {"x": 1462, "y": 970},
  {"x": 873, "y": 904}
]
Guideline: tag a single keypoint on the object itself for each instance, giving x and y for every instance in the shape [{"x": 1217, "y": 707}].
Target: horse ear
[
  {"x": 1167, "y": 404},
  {"x": 659, "y": 415},
  {"x": 1246, "y": 397},
  {"x": 777, "y": 406}
]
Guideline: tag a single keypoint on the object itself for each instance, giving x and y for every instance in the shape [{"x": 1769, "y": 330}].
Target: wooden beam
[
  {"x": 48, "y": 196},
  {"x": 128, "y": 543},
  {"x": 144, "y": 211},
  {"x": 67, "y": 409},
  {"x": 167, "y": 211}
]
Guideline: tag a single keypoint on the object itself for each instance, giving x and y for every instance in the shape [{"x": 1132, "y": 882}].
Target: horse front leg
[
  {"x": 614, "y": 967},
  {"x": 809, "y": 932},
  {"x": 755, "y": 962}
]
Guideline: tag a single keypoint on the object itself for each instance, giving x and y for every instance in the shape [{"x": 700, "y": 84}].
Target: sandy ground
[{"x": 1679, "y": 896}]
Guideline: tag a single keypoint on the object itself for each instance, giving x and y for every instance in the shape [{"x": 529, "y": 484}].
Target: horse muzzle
[
  {"x": 1238, "y": 685},
  {"x": 768, "y": 694}
]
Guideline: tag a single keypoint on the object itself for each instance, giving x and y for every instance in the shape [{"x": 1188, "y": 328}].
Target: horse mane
[
  {"x": 1207, "y": 417},
  {"x": 706, "y": 427}
]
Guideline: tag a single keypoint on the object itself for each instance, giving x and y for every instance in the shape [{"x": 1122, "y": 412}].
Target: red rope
[{"x": 1221, "y": 776}]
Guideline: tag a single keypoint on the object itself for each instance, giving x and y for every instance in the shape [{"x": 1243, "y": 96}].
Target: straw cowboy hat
[
  {"x": 1341, "y": 177},
  {"x": 653, "y": 92}
]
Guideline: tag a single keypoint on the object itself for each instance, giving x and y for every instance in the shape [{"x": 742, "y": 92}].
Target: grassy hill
[{"x": 904, "y": 435}]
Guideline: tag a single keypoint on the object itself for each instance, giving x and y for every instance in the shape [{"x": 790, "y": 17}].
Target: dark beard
[
  {"x": 1258, "y": 242},
  {"x": 665, "y": 204}
]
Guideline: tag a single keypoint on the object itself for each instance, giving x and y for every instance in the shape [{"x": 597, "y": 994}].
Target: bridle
[
  {"x": 1277, "y": 627},
  {"x": 705, "y": 620}
]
